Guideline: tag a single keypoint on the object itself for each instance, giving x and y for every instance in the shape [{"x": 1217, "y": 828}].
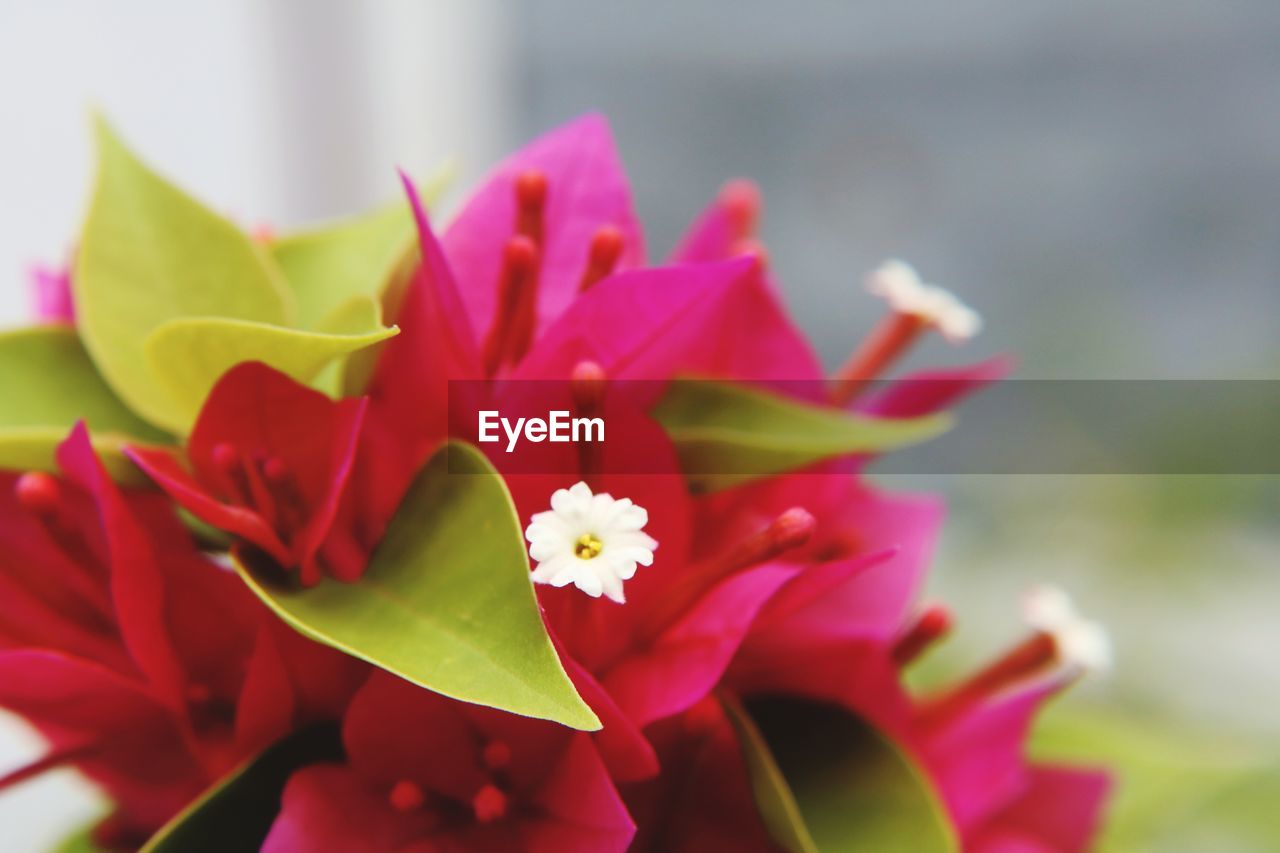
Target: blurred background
[{"x": 1100, "y": 179}]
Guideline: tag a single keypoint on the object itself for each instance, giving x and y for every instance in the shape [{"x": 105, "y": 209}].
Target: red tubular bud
[
  {"x": 1029, "y": 659},
  {"x": 531, "y": 201},
  {"x": 742, "y": 204},
  {"x": 513, "y": 323},
  {"x": 587, "y": 385},
  {"x": 890, "y": 339},
  {"x": 789, "y": 530},
  {"x": 754, "y": 249},
  {"x": 602, "y": 257},
  {"x": 933, "y": 623}
]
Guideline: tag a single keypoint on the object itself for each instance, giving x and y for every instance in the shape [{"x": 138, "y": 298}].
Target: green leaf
[
  {"x": 328, "y": 266},
  {"x": 237, "y": 812},
  {"x": 356, "y": 315},
  {"x": 48, "y": 382},
  {"x": 446, "y": 602},
  {"x": 826, "y": 780},
  {"x": 149, "y": 254},
  {"x": 778, "y": 807},
  {"x": 189, "y": 355},
  {"x": 726, "y": 434}
]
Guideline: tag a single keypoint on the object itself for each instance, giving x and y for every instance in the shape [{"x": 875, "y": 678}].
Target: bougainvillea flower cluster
[{"x": 260, "y": 578}]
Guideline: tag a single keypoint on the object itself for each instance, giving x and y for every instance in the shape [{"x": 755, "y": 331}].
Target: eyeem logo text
[{"x": 557, "y": 427}]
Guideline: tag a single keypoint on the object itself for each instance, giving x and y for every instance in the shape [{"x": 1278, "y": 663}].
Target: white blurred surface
[
  {"x": 283, "y": 112},
  {"x": 278, "y": 113}
]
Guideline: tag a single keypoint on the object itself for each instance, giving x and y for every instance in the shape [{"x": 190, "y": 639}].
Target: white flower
[
  {"x": 1081, "y": 643},
  {"x": 591, "y": 541},
  {"x": 899, "y": 283}
]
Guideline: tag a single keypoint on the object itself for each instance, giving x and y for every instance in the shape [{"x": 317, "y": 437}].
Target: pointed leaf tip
[{"x": 447, "y": 602}]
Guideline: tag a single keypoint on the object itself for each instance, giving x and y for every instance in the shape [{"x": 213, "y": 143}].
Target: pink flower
[
  {"x": 269, "y": 461},
  {"x": 51, "y": 294},
  {"x": 843, "y": 630},
  {"x": 145, "y": 665},
  {"x": 425, "y": 772},
  {"x": 703, "y": 798}
]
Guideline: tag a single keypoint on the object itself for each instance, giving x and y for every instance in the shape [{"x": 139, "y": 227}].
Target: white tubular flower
[
  {"x": 1080, "y": 643},
  {"x": 591, "y": 541},
  {"x": 899, "y": 284}
]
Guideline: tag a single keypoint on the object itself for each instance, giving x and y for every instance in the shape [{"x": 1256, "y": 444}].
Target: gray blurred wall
[{"x": 1101, "y": 179}]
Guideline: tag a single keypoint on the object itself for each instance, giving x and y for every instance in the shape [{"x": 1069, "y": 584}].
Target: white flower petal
[
  {"x": 899, "y": 284},
  {"x": 1080, "y": 643},
  {"x": 616, "y": 524},
  {"x": 613, "y": 588},
  {"x": 589, "y": 582}
]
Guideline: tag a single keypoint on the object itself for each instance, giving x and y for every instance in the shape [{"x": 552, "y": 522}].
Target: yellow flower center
[{"x": 588, "y": 547}]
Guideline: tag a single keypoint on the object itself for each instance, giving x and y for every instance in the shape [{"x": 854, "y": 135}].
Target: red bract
[
  {"x": 269, "y": 461},
  {"x": 1058, "y": 810},
  {"x": 800, "y": 585},
  {"x": 133, "y": 654},
  {"x": 703, "y": 799},
  {"x": 841, "y": 632},
  {"x": 558, "y": 193},
  {"x": 666, "y": 648},
  {"x": 425, "y": 772}
]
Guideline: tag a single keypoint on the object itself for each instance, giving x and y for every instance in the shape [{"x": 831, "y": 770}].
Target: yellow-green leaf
[
  {"x": 48, "y": 383},
  {"x": 149, "y": 254},
  {"x": 328, "y": 266},
  {"x": 354, "y": 316},
  {"x": 778, "y": 807},
  {"x": 852, "y": 787},
  {"x": 726, "y": 433},
  {"x": 446, "y": 602},
  {"x": 188, "y": 356}
]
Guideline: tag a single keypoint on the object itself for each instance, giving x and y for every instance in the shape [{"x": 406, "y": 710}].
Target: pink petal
[
  {"x": 137, "y": 585},
  {"x": 583, "y": 809},
  {"x": 143, "y": 764},
  {"x": 51, "y": 295},
  {"x": 684, "y": 663},
  {"x": 395, "y": 730},
  {"x": 932, "y": 391},
  {"x": 711, "y": 237},
  {"x": 266, "y": 708},
  {"x": 815, "y": 605},
  {"x": 166, "y": 470},
  {"x": 856, "y": 518},
  {"x": 329, "y": 808},
  {"x": 1060, "y": 810},
  {"x": 51, "y": 600},
  {"x": 977, "y": 759},
  {"x": 703, "y": 799},
  {"x": 586, "y": 190},
  {"x": 436, "y": 344},
  {"x": 643, "y": 324},
  {"x": 623, "y": 747}
]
